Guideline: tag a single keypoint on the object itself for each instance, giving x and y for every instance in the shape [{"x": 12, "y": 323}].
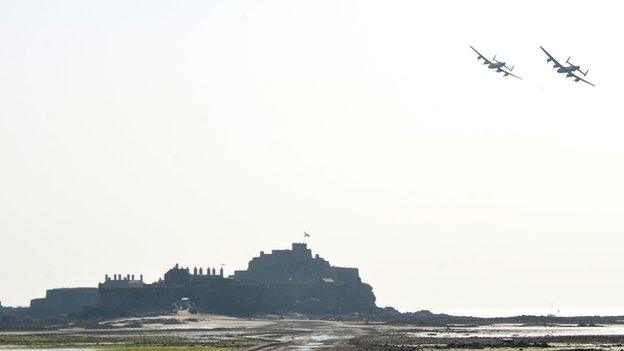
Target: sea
[{"x": 534, "y": 311}]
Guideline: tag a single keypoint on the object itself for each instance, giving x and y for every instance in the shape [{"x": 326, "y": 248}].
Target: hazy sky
[{"x": 138, "y": 134}]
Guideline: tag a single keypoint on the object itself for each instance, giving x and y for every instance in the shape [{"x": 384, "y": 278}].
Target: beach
[{"x": 211, "y": 332}]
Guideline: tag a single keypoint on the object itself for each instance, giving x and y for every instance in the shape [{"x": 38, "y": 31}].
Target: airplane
[
  {"x": 499, "y": 66},
  {"x": 567, "y": 70}
]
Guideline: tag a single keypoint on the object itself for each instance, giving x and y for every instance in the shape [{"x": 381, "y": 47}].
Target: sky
[{"x": 139, "y": 134}]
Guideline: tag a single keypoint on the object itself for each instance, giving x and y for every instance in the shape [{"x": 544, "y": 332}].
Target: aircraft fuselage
[
  {"x": 496, "y": 65},
  {"x": 568, "y": 69}
]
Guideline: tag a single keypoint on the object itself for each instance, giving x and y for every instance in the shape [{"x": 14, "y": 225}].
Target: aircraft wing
[
  {"x": 577, "y": 78},
  {"x": 511, "y": 74},
  {"x": 550, "y": 58},
  {"x": 480, "y": 56}
]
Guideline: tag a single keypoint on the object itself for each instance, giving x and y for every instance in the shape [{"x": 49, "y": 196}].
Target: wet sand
[{"x": 209, "y": 332}]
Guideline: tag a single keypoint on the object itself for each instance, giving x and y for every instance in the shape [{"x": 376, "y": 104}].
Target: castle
[{"x": 278, "y": 282}]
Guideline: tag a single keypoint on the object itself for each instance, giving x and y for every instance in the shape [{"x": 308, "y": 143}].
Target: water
[
  {"x": 516, "y": 330},
  {"x": 314, "y": 342},
  {"x": 534, "y": 311}
]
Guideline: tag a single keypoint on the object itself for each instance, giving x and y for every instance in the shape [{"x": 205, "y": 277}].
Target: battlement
[
  {"x": 118, "y": 281},
  {"x": 180, "y": 276}
]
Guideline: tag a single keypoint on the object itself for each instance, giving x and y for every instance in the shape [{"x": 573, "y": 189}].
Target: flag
[{"x": 306, "y": 235}]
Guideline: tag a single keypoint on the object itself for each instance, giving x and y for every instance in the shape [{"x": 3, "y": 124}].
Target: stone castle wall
[
  {"x": 149, "y": 298},
  {"x": 63, "y": 301}
]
